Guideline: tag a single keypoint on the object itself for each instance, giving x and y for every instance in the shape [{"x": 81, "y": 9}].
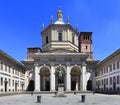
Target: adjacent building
[
  {"x": 12, "y": 74},
  {"x": 108, "y": 73}
]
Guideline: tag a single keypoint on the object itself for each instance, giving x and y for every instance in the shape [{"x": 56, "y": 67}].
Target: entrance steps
[
  {"x": 53, "y": 92},
  {"x": 41, "y": 92}
]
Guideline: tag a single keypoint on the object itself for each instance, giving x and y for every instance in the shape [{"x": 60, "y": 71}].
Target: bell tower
[{"x": 85, "y": 43}]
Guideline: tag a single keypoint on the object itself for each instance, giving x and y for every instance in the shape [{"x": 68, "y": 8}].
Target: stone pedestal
[{"x": 60, "y": 92}]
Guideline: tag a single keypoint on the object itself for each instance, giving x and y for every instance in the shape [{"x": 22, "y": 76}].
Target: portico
[{"x": 46, "y": 76}]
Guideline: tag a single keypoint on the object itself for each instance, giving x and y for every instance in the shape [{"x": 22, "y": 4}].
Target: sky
[{"x": 21, "y": 23}]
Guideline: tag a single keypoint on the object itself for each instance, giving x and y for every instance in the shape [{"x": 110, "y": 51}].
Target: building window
[
  {"x": 46, "y": 39},
  {"x": 5, "y": 67},
  {"x": 113, "y": 66},
  {"x": 107, "y": 69},
  {"x": 18, "y": 83},
  {"x": 107, "y": 81},
  {"x": 103, "y": 71},
  {"x": 86, "y": 37},
  {"x": 9, "y": 82},
  {"x": 86, "y": 47},
  {"x": 1, "y": 66},
  {"x": 59, "y": 36},
  {"x": 118, "y": 65},
  {"x": 1, "y": 81},
  {"x": 73, "y": 38},
  {"x": 118, "y": 79},
  {"x": 13, "y": 83},
  {"x": 110, "y": 80},
  {"x": 15, "y": 71},
  {"x": 110, "y": 68},
  {"x": 102, "y": 82},
  {"x": 12, "y": 70},
  {"x": 9, "y": 69},
  {"x": 114, "y": 80}
]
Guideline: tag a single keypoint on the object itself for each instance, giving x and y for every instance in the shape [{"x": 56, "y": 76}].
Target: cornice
[{"x": 59, "y": 25}]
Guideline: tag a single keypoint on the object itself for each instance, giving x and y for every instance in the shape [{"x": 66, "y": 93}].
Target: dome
[{"x": 59, "y": 22}]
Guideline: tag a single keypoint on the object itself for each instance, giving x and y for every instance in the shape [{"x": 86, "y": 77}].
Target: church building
[{"x": 66, "y": 57}]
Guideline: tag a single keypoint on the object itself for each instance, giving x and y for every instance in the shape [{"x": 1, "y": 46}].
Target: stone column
[
  {"x": 68, "y": 79},
  {"x": 83, "y": 78},
  {"x": 52, "y": 78},
  {"x": 37, "y": 78}
]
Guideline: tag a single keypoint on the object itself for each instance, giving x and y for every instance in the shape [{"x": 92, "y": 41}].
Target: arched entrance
[
  {"x": 75, "y": 78},
  {"x": 31, "y": 85},
  {"x": 44, "y": 79},
  {"x": 89, "y": 85},
  {"x": 30, "y": 80},
  {"x": 60, "y": 77}
]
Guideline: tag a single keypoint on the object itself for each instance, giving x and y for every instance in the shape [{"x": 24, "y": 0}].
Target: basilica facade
[{"x": 63, "y": 49}]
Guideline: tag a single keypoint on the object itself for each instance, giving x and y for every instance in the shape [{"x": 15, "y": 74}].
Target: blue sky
[{"x": 21, "y": 22}]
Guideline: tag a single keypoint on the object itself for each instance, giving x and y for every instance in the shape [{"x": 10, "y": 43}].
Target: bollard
[
  {"x": 93, "y": 92},
  {"x": 55, "y": 93},
  {"x": 38, "y": 99},
  {"x": 74, "y": 92},
  {"x": 83, "y": 98},
  {"x": 31, "y": 92}
]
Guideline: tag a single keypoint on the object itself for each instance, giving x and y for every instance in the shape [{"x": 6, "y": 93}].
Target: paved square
[{"x": 70, "y": 99}]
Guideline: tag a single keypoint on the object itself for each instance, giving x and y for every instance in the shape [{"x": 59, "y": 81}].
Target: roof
[
  {"x": 11, "y": 59},
  {"x": 109, "y": 57}
]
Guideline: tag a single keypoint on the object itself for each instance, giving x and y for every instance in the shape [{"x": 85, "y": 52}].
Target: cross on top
[{"x": 59, "y": 7}]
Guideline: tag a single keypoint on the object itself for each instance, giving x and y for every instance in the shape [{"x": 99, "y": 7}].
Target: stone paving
[{"x": 70, "y": 99}]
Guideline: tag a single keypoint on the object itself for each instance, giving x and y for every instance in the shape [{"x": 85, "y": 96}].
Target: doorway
[
  {"x": 15, "y": 86},
  {"x": 47, "y": 85},
  {"x": 89, "y": 85},
  {"x": 31, "y": 86},
  {"x": 114, "y": 85},
  {"x": 73, "y": 85},
  {"x": 5, "y": 86},
  {"x": 44, "y": 79}
]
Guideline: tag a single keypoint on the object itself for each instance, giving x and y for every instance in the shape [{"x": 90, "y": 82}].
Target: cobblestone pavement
[{"x": 70, "y": 99}]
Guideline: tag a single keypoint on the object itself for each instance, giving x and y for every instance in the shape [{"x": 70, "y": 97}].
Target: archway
[
  {"x": 60, "y": 77},
  {"x": 89, "y": 85},
  {"x": 44, "y": 79},
  {"x": 31, "y": 85},
  {"x": 75, "y": 78}
]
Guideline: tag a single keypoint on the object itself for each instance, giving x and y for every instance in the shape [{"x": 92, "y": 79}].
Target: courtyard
[{"x": 70, "y": 99}]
